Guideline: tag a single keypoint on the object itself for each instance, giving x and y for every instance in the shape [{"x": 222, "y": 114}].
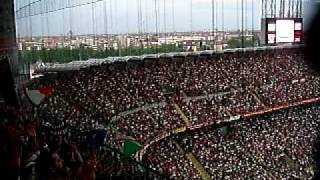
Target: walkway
[
  {"x": 207, "y": 96},
  {"x": 131, "y": 111},
  {"x": 197, "y": 165},
  {"x": 255, "y": 96},
  {"x": 182, "y": 115},
  {"x": 203, "y": 173}
]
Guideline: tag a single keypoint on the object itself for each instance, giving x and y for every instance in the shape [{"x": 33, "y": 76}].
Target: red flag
[{"x": 46, "y": 90}]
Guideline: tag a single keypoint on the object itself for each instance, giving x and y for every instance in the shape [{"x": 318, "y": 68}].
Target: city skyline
[
  {"x": 112, "y": 17},
  {"x": 120, "y": 21}
]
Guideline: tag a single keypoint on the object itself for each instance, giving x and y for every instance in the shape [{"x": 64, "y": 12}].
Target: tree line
[
  {"x": 65, "y": 55},
  {"x": 236, "y": 42}
]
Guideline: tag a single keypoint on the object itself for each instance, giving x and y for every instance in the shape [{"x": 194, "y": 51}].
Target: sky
[{"x": 121, "y": 16}]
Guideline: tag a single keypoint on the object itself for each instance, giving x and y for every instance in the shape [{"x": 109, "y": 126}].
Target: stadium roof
[{"x": 77, "y": 65}]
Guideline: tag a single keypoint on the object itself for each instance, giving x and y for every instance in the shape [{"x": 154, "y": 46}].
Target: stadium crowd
[
  {"x": 220, "y": 106},
  {"x": 167, "y": 158},
  {"x": 273, "y": 146},
  {"x": 206, "y": 89},
  {"x": 156, "y": 119},
  {"x": 138, "y": 99},
  {"x": 31, "y": 149},
  {"x": 31, "y": 152}
]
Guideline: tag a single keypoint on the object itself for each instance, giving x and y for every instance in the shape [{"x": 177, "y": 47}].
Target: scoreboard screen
[
  {"x": 277, "y": 31},
  {"x": 284, "y": 31}
]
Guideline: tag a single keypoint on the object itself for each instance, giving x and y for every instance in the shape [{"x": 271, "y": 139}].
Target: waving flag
[
  {"x": 131, "y": 147},
  {"x": 46, "y": 90},
  {"x": 37, "y": 96}
]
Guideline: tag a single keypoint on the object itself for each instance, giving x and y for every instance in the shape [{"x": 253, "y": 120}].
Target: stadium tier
[
  {"x": 274, "y": 146},
  {"x": 152, "y": 101}
]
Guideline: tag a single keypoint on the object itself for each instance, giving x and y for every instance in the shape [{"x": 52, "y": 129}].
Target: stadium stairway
[
  {"x": 295, "y": 165},
  {"x": 182, "y": 115},
  {"x": 256, "y": 97},
  {"x": 203, "y": 173}
]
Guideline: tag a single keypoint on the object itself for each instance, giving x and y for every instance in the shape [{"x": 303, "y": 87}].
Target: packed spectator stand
[
  {"x": 154, "y": 100},
  {"x": 273, "y": 146},
  {"x": 30, "y": 149},
  {"x": 220, "y": 85}
]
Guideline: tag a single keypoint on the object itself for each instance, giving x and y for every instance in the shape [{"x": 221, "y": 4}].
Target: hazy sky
[{"x": 121, "y": 16}]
